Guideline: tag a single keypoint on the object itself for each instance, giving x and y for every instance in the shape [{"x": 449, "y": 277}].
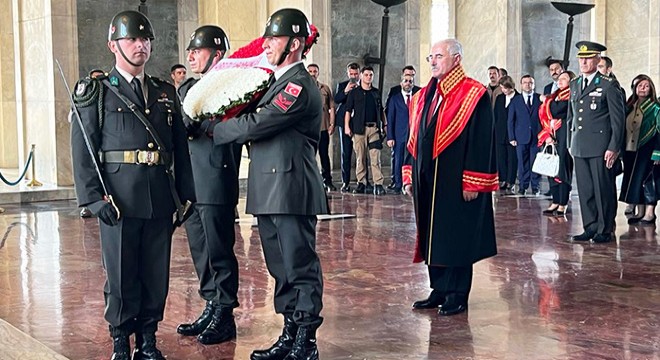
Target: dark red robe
[{"x": 452, "y": 153}]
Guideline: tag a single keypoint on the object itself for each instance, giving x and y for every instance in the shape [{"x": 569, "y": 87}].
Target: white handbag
[{"x": 547, "y": 161}]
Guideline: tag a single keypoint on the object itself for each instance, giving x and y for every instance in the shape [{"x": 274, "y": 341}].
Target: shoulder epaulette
[{"x": 86, "y": 91}]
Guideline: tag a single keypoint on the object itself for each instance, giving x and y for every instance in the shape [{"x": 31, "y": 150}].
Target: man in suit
[
  {"x": 210, "y": 229},
  {"x": 523, "y": 126},
  {"x": 596, "y": 119},
  {"x": 397, "y": 127},
  {"x": 555, "y": 68},
  {"x": 450, "y": 174},
  {"x": 395, "y": 90},
  {"x": 134, "y": 194},
  {"x": 285, "y": 189},
  {"x": 346, "y": 144}
]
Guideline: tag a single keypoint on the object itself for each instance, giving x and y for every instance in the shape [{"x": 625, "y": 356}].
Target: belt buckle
[{"x": 148, "y": 157}]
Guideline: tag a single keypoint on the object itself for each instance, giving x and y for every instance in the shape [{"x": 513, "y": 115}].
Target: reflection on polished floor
[{"x": 542, "y": 297}]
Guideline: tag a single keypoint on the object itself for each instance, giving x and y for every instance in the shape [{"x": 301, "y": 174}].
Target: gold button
[
  {"x": 190, "y": 138},
  {"x": 120, "y": 109},
  {"x": 147, "y": 111},
  {"x": 224, "y": 166},
  {"x": 273, "y": 170},
  {"x": 150, "y": 145},
  {"x": 581, "y": 101},
  {"x": 581, "y": 110},
  {"x": 580, "y": 127},
  {"x": 580, "y": 119}
]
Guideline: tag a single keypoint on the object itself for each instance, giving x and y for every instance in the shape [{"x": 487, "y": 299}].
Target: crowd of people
[
  {"x": 453, "y": 143},
  {"x": 583, "y": 120}
]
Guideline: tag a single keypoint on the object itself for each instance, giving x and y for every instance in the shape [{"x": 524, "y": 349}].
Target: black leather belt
[
  {"x": 370, "y": 124},
  {"x": 140, "y": 157}
]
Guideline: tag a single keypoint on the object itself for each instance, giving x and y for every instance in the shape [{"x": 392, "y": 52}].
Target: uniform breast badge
[{"x": 114, "y": 81}]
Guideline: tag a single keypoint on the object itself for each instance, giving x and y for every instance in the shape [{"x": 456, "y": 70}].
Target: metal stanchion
[{"x": 34, "y": 182}]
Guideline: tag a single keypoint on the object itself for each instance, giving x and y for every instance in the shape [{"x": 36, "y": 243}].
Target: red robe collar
[{"x": 460, "y": 95}]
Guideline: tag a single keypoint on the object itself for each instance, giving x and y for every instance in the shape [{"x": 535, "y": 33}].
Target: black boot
[
  {"x": 200, "y": 324},
  {"x": 304, "y": 348},
  {"x": 283, "y": 344},
  {"x": 121, "y": 348},
  {"x": 145, "y": 347},
  {"x": 222, "y": 328}
]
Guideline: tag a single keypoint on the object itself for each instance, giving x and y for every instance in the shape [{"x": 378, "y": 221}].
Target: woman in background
[
  {"x": 507, "y": 161},
  {"x": 552, "y": 115},
  {"x": 641, "y": 182}
]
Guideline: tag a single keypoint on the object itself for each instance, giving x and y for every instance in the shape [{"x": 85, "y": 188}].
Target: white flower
[{"x": 218, "y": 91}]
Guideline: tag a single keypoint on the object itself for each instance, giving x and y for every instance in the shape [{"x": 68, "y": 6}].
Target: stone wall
[{"x": 94, "y": 18}]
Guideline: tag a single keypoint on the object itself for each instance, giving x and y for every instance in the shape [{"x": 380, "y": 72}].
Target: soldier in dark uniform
[
  {"x": 210, "y": 229},
  {"x": 596, "y": 119},
  {"x": 145, "y": 177},
  {"x": 285, "y": 189}
]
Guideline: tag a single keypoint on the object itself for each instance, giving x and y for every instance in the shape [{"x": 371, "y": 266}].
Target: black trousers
[
  {"x": 559, "y": 191},
  {"x": 455, "y": 280},
  {"x": 507, "y": 163},
  {"x": 346, "y": 147},
  {"x": 597, "y": 191},
  {"x": 136, "y": 257},
  {"x": 324, "y": 144},
  {"x": 211, "y": 237},
  {"x": 289, "y": 245},
  {"x": 398, "y": 156}
]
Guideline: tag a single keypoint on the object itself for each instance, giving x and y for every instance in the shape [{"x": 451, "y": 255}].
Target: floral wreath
[{"x": 234, "y": 83}]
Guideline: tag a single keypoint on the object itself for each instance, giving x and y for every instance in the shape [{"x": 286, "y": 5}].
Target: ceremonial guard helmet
[
  {"x": 209, "y": 36},
  {"x": 287, "y": 22},
  {"x": 130, "y": 24}
]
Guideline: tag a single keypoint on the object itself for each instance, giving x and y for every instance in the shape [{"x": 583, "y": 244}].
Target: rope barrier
[{"x": 20, "y": 178}]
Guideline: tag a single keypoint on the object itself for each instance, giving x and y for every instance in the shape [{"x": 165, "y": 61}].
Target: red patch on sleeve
[
  {"x": 281, "y": 102},
  {"x": 293, "y": 89}
]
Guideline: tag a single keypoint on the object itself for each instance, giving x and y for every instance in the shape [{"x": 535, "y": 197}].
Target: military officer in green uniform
[
  {"x": 144, "y": 176},
  {"x": 210, "y": 229},
  {"x": 596, "y": 121}
]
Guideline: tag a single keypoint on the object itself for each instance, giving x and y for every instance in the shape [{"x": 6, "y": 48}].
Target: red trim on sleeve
[
  {"x": 406, "y": 174},
  {"x": 480, "y": 182}
]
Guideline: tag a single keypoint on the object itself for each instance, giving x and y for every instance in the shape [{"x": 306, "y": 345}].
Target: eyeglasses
[
  {"x": 408, "y": 81},
  {"x": 437, "y": 57}
]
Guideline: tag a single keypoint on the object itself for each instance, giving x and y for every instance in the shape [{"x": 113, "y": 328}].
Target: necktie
[
  {"x": 529, "y": 101},
  {"x": 434, "y": 104},
  {"x": 137, "y": 87},
  {"x": 586, "y": 83},
  {"x": 408, "y": 100}
]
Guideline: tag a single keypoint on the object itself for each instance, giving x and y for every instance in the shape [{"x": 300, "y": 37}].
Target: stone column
[
  {"x": 188, "y": 21},
  {"x": 44, "y": 31},
  {"x": 632, "y": 37},
  {"x": 8, "y": 125}
]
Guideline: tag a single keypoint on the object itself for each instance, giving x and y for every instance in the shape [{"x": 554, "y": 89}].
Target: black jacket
[
  {"x": 283, "y": 133},
  {"x": 139, "y": 190},
  {"x": 215, "y": 167}
]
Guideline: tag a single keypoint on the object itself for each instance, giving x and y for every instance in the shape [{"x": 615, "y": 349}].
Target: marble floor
[{"x": 542, "y": 297}]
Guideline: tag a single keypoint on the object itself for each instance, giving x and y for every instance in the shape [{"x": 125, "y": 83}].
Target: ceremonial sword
[{"x": 106, "y": 196}]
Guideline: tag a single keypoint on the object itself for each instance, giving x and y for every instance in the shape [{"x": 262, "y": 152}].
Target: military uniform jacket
[
  {"x": 139, "y": 190},
  {"x": 283, "y": 132},
  {"x": 215, "y": 167},
  {"x": 596, "y": 117}
]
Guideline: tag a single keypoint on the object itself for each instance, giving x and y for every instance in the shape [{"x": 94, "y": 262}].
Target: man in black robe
[{"x": 450, "y": 173}]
